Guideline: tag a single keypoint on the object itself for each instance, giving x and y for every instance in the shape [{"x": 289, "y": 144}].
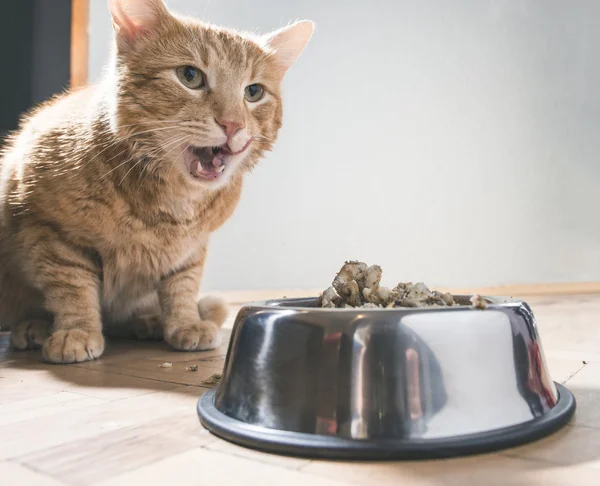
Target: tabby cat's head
[{"x": 195, "y": 98}]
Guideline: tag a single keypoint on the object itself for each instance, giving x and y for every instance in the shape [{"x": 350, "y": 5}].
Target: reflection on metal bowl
[{"x": 385, "y": 383}]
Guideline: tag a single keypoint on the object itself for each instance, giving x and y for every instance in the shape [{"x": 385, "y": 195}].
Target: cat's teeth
[
  {"x": 220, "y": 169},
  {"x": 194, "y": 166}
]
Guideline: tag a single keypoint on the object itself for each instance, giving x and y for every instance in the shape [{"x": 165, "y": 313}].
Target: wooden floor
[{"x": 123, "y": 420}]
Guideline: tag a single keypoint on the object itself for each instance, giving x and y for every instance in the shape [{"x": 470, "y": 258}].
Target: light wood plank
[
  {"x": 569, "y": 446},
  {"x": 199, "y": 466},
  {"x": 488, "y": 470},
  {"x": 45, "y": 406},
  {"x": 39, "y": 435},
  {"x": 17, "y": 474},
  {"x": 585, "y": 385}
]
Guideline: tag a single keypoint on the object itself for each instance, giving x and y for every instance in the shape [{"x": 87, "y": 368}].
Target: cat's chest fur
[{"x": 144, "y": 251}]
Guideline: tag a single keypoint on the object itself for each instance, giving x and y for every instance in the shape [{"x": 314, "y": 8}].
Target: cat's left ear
[
  {"x": 133, "y": 19},
  {"x": 289, "y": 42}
]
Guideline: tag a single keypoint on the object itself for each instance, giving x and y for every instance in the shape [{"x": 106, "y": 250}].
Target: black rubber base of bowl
[{"x": 329, "y": 447}]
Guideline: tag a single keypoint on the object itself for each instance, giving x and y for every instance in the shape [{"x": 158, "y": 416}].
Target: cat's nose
[{"x": 230, "y": 127}]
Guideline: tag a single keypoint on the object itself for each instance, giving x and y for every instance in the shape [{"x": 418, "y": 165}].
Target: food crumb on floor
[
  {"x": 213, "y": 380},
  {"x": 191, "y": 368},
  {"x": 165, "y": 365}
]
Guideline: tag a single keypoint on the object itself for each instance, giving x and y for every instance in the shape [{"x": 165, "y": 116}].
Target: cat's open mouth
[
  {"x": 205, "y": 162},
  {"x": 209, "y": 163}
]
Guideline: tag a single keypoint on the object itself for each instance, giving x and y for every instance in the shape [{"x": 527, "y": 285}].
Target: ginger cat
[{"x": 108, "y": 195}]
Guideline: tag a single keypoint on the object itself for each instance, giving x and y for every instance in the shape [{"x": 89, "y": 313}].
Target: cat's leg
[
  {"x": 21, "y": 305},
  {"x": 22, "y": 313},
  {"x": 150, "y": 326},
  {"x": 190, "y": 325},
  {"x": 69, "y": 281},
  {"x": 31, "y": 333}
]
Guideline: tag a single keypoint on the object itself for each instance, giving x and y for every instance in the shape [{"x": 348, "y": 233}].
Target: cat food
[
  {"x": 191, "y": 368},
  {"x": 166, "y": 365},
  {"x": 478, "y": 302},
  {"x": 358, "y": 285}
]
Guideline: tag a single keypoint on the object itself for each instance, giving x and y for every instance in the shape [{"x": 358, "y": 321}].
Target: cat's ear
[
  {"x": 133, "y": 19},
  {"x": 289, "y": 42}
]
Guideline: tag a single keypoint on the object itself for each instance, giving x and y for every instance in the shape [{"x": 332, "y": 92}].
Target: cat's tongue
[
  {"x": 218, "y": 162},
  {"x": 204, "y": 164}
]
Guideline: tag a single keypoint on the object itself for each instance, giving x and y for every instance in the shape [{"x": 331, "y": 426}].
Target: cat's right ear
[
  {"x": 134, "y": 19},
  {"x": 289, "y": 42}
]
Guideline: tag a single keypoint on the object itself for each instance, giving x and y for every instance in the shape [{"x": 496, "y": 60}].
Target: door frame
[{"x": 80, "y": 10}]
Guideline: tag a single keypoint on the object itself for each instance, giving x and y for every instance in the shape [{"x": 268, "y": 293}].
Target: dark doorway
[{"x": 35, "y": 36}]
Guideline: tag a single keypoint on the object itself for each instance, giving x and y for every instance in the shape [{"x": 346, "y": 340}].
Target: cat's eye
[
  {"x": 254, "y": 92},
  {"x": 191, "y": 77}
]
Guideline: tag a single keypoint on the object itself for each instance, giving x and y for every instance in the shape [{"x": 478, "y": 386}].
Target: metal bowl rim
[
  {"x": 283, "y": 305},
  {"x": 329, "y": 447}
]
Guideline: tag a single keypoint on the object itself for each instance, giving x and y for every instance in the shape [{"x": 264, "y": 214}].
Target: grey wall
[{"x": 451, "y": 142}]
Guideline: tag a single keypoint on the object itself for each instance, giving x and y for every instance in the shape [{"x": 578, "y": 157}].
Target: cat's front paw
[
  {"x": 200, "y": 336},
  {"x": 73, "y": 346},
  {"x": 30, "y": 333}
]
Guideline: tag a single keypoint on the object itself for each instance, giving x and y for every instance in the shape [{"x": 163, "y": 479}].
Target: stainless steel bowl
[{"x": 385, "y": 383}]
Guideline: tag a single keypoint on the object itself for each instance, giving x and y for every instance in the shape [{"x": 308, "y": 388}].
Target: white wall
[{"x": 451, "y": 142}]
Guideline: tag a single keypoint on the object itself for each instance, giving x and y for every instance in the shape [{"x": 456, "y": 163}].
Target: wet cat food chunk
[{"x": 358, "y": 285}]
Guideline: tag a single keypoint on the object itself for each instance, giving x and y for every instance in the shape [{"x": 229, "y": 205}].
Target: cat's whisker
[
  {"x": 153, "y": 130},
  {"x": 147, "y": 169},
  {"x": 140, "y": 160},
  {"x": 110, "y": 145},
  {"x": 158, "y": 121},
  {"x": 175, "y": 162},
  {"x": 108, "y": 129},
  {"x": 185, "y": 125},
  {"x": 132, "y": 167},
  {"x": 118, "y": 166},
  {"x": 123, "y": 163},
  {"x": 174, "y": 143},
  {"x": 122, "y": 140},
  {"x": 206, "y": 9}
]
